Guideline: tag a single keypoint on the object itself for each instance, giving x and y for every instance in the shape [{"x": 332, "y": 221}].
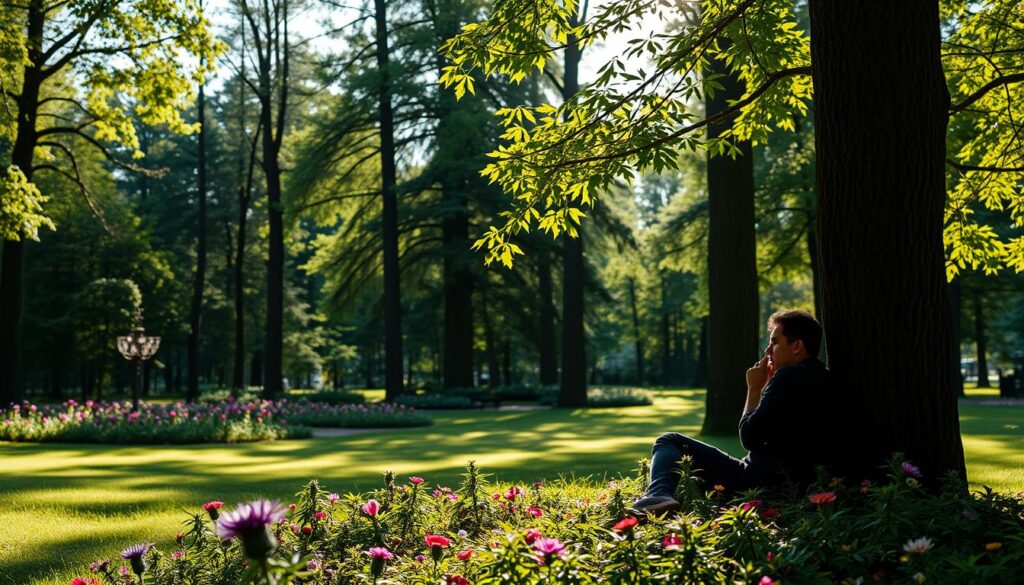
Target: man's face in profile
[{"x": 780, "y": 351}]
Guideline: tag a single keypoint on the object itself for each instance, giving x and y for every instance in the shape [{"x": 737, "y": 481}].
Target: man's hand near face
[{"x": 757, "y": 378}]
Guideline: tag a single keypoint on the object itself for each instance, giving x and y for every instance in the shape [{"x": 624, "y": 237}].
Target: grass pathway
[{"x": 67, "y": 505}]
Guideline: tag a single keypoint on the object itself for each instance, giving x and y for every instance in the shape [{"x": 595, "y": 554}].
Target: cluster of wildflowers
[
  {"x": 225, "y": 421},
  {"x": 583, "y": 535}
]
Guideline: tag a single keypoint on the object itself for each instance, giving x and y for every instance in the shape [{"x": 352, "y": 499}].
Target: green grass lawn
[{"x": 66, "y": 505}]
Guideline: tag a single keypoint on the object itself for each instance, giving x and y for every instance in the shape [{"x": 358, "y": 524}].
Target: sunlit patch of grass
[{"x": 67, "y": 505}]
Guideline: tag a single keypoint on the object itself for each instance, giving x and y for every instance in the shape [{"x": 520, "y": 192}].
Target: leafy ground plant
[
  {"x": 229, "y": 421},
  {"x": 576, "y": 532}
]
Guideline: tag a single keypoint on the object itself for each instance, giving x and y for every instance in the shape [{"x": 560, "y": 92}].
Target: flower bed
[
  {"x": 579, "y": 532},
  {"x": 229, "y": 421}
]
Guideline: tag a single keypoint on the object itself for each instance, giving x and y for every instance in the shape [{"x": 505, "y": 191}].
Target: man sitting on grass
[{"x": 784, "y": 427}]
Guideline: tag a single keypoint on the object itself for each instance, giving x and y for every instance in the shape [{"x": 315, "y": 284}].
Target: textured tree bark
[
  {"x": 733, "y": 329},
  {"x": 22, "y": 156},
  {"x": 574, "y": 357},
  {"x": 881, "y": 109},
  {"x": 389, "y": 216},
  {"x": 955, "y": 302},
  {"x": 700, "y": 371},
  {"x": 196, "y": 312}
]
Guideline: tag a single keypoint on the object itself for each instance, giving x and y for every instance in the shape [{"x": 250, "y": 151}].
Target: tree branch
[
  {"x": 980, "y": 93},
  {"x": 77, "y": 131},
  {"x": 964, "y": 168},
  {"x": 77, "y": 179}
]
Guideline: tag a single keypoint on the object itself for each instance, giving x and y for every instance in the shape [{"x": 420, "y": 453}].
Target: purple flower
[
  {"x": 251, "y": 524},
  {"x": 549, "y": 547},
  {"x": 910, "y": 469},
  {"x": 135, "y": 555}
]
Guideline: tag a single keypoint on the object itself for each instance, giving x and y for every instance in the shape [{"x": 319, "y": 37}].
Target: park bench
[
  {"x": 482, "y": 399},
  {"x": 1012, "y": 385}
]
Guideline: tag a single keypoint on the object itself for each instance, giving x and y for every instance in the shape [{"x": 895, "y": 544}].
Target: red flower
[
  {"x": 625, "y": 524},
  {"x": 513, "y": 493},
  {"x": 534, "y": 511},
  {"x": 436, "y": 540},
  {"x": 671, "y": 541},
  {"x": 213, "y": 505},
  {"x": 320, "y": 515},
  {"x": 751, "y": 505},
  {"x": 532, "y": 535},
  {"x": 454, "y": 580},
  {"x": 81, "y": 581},
  {"x": 822, "y": 498},
  {"x": 464, "y": 555},
  {"x": 769, "y": 513},
  {"x": 307, "y": 530}
]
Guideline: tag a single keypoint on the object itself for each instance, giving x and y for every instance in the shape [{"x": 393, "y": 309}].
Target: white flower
[
  {"x": 919, "y": 577},
  {"x": 463, "y": 534},
  {"x": 918, "y": 545}
]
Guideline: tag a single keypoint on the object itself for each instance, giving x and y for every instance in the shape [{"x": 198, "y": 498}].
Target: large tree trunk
[
  {"x": 732, "y": 270},
  {"x": 195, "y": 315},
  {"x": 490, "y": 345},
  {"x": 547, "y": 342},
  {"x": 574, "y": 358},
  {"x": 981, "y": 340},
  {"x": 244, "y": 194},
  {"x": 881, "y": 109},
  {"x": 12, "y": 267},
  {"x": 638, "y": 341},
  {"x": 666, "y": 335},
  {"x": 700, "y": 371},
  {"x": 389, "y": 215}
]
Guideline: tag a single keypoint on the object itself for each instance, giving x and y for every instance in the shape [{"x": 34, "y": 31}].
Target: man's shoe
[{"x": 656, "y": 505}]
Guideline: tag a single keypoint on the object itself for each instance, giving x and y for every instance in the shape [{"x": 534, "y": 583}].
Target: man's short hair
[{"x": 798, "y": 325}]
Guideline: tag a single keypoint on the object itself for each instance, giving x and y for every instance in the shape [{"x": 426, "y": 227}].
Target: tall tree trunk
[
  {"x": 491, "y": 346},
  {"x": 732, "y": 269},
  {"x": 547, "y": 340},
  {"x": 195, "y": 315},
  {"x": 574, "y": 357},
  {"x": 506, "y": 362},
  {"x": 638, "y": 341},
  {"x": 458, "y": 296},
  {"x": 22, "y": 156},
  {"x": 244, "y": 195},
  {"x": 877, "y": 72},
  {"x": 389, "y": 214},
  {"x": 981, "y": 340}
]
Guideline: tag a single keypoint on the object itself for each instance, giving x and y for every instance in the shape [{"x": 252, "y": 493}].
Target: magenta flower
[
  {"x": 177, "y": 555},
  {"x": 333, "y": 498},
  {"x": 313, "y": 565},
  {"x": 549, "y": 547},
  {"x": 513, "y": 493},
  {"x": 416, "y": 480},
  {"x": 911, "y": 469},
  {"x": 371, "y": 508},
  {"x": 251, "y": 524},
  {"x": 671, "y": 541},
  {"x": 320, "y": 515}
]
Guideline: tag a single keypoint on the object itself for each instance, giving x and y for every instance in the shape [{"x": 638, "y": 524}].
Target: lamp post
[{"x": 137, "y": 347}]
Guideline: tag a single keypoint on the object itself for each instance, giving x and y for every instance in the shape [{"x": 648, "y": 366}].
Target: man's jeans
[{"x": 711, "y": 466}]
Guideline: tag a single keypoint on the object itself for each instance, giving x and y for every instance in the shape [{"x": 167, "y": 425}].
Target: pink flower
[
  {"x": 865, "y": 486},
  {"x": 453, "y": 497},
  {"x": 379, "y": 552},
  {"x": 625, "y": 524},
  {"x": 549, "y": 547},
  {"x": 535, "y": 511},
  {"x": 178, "y": 555},
  {"x": 464, "y": 555},
  {"x": 294, "y": 528},
  {"x": 213, "y": 505},
  {"x": 416, "y": 480},
  {"x": 822, "y": 498},
  {"x": 671, "y": 541},
  {"x": 371, "y": 508},
  {"x": 766, "y": 580},
  {"x": 333, "y": 498},
  {"x": 495, "y": 496},
  {"x": 420, "y": 558},
  {"x": 513, "y": 493}
]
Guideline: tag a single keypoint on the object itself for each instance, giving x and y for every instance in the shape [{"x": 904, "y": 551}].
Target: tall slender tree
[
  {"x": 393, "y": 383},
  {"x": 268, "y": 25},
  {"x": 196, "y": 312},
  {"x": 732, "y": 263}
]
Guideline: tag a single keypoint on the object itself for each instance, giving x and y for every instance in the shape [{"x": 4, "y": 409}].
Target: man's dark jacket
[{"x": 792, "y": 430}]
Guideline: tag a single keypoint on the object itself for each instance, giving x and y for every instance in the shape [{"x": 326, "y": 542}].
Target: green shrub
[
  {"x": 318, "y": 414},
  {"x": 579, "y": 532},
  {"x": 605, "y": 397}
]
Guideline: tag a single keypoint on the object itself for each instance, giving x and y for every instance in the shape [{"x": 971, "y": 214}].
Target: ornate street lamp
[{"x": 137, "y": 347}]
